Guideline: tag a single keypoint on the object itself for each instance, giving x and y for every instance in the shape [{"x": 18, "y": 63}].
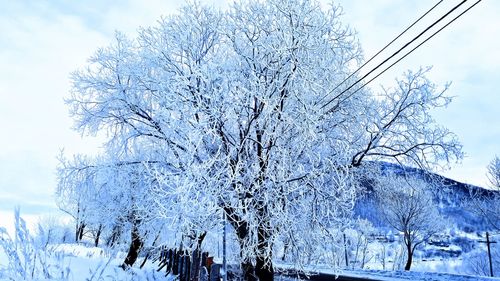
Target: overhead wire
[
  {"x": 381, "y": 50},
  {"x": 423, "y": 42},
  {"x": 397, "y": 52}
]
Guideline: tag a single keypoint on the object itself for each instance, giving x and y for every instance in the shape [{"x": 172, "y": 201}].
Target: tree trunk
[
  {"x": 410, "y": 255},
  {"x": 241, "y": 229},
  {"x": 264, "y": 267},
  {"x": 135, "y": 246},
  {"x": 248, "y": 271},
  {"x": 115, "y": 235},
  {"x": 79, "y": 231},
  {"x": 264, "y": 271},
  {"x": 98, "y": 235},
  {"x": 285, "y": 248}
]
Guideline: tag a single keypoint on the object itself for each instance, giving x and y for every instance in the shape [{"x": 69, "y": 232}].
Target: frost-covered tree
[
  {"x": 408, "y": 207},
  {"x": 72, "y": 192},
  {"x": 492, "y": 211},
  {"x": 477, "y": 262},
  {"x": 486, "y": 203},
  {"x": 494, "y": 172},
  {"x": 112, "y": 194},
  {"x": 242, "y": 109}
]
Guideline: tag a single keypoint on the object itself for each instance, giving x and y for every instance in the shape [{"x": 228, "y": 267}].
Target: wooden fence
[{"x": 194, "y": 266}]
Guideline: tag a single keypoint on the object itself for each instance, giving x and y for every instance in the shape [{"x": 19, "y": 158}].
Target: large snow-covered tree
[{"x": 241, "y": 107}]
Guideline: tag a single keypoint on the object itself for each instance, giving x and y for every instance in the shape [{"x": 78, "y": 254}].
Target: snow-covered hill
[
  {"x": 453, "y": 199},
  {"x": 456, "y": 248}
]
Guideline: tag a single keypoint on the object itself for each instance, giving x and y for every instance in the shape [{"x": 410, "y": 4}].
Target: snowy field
[
  {"x": 33, "y": 257},
  {"x": 81, "y": 263}
]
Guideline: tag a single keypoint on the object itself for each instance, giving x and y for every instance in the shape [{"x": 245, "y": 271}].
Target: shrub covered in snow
[{"x": 29, "y": 259}]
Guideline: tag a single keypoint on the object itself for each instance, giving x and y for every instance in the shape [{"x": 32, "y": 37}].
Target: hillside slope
[{"x": 452, "y": 197}]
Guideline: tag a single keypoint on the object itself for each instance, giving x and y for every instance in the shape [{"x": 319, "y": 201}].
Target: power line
[
  {"x": 381, "y": 50},
  {"x": 397, "y": 52},
  {"x": 415, "y": 48}
]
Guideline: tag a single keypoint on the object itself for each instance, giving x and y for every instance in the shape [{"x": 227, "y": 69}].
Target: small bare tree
[
  {"x": 477, "y": 263},
  {"x": 358, "y": 239},
  {"x": 407, "y": 206},
  {"x": 490, "y": 204}
]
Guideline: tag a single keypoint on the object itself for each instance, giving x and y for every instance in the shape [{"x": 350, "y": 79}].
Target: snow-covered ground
[
  {"x": 76, "y": 262},
  {"x": 26, "y": 255},
  {"x": 80, "y": 262}
]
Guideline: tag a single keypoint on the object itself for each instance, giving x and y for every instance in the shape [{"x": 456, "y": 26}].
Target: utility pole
[
  {"x": 345, "y": 252},
  {"x": 224, "y": 260},
  {"x": 488, "y": 242}
]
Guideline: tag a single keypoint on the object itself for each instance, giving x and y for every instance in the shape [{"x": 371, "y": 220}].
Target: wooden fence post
[
  {"x": 195, "y": 265},
  {"x": 175, "y": 265},
  {"x": 170, "y": 256}
]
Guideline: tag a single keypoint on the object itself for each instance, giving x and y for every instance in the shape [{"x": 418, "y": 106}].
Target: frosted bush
[
  {"x": 477, "y": 263},
  {"x": 28, "y": 260},
  {"x": 51, "y": 230}
]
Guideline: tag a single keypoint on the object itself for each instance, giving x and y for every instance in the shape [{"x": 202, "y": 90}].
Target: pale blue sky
[{"x": 41, "y": 42}]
